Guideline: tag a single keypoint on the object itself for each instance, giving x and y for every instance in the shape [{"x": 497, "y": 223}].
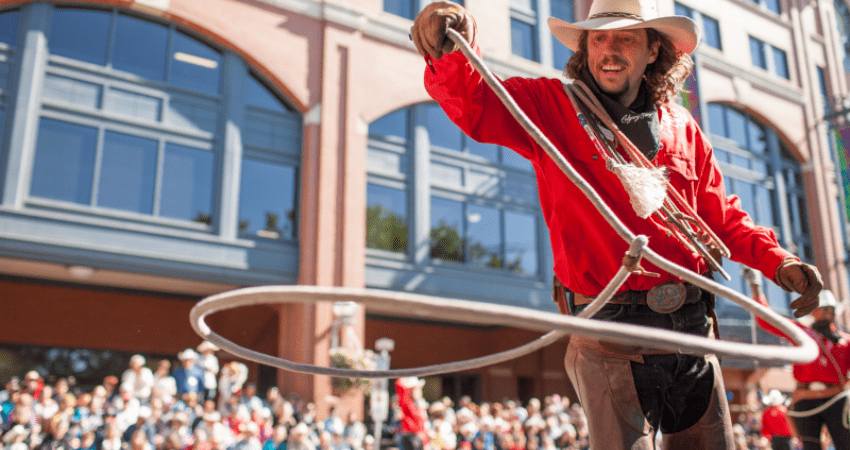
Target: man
[
  {"x": 634, "y": 63},
  {"x": 139, "y": 378},
  {"x": 774, "y": 421},
  {"x": 820, "y": 381},
  {"x": 189, "y": 377},
  {"x": 409, "y": 392}
]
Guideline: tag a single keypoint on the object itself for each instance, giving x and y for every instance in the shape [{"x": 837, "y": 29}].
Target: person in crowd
[
  {"x": 164, "y": 384},
  {"x": 139, "y": 378},
  {"x": 774, "y": 421},
  {"x": 278, "y": 439},
  {"x": 821, "y": 384},
  {"x": 231, "y": 378},
  {"x": 33, "y": 384},
  {"x": 409, "y": 393},
  {"x": 209, "y": 363},
  {"x": 188, "y": 377},
  {"x": 628, "y": 66}
]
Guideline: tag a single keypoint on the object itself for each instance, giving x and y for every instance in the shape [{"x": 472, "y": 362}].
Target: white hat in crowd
[
  {"x": 207, "y": 345},
  {"x": 773, "y": 398},
  {"x": 187, "y": 354},
  {"x": 410, "y": 382}
]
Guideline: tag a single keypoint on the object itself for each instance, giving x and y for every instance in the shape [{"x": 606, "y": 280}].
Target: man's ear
[{"x": 653, "y": 51}]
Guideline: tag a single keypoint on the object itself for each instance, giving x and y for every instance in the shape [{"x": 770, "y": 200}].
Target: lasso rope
[
  {"x": 845, "y": 414},
  {"x": 421, "y": 306}
]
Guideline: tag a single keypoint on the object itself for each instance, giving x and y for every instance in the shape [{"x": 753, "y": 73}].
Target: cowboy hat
[
  {"x": 410, "y": 382},
  {"x": 628, "y": 15},
  {"x": 773, "y": 398}
]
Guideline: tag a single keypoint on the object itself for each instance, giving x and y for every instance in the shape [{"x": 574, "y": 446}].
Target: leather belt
[
  {"x": 817, "y": 386},
  {"x": 664, "y": 298}
]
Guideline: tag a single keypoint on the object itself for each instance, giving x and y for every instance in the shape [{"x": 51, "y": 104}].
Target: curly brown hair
[{"x": 664, "y": 77}]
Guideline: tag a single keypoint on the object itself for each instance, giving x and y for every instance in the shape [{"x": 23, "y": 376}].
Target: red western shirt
[
  {"x": 774, "y": 422},
  {"x": 412, "y": 420},
  {"x": 587, "y": 250},
  {"x": 821, "y": 369}
]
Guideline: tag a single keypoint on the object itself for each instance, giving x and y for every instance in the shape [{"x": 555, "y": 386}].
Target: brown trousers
[{"x": 602, "y": 377}]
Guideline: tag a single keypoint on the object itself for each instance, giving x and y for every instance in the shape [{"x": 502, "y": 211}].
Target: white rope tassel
[{"x": 647, "y": 188}]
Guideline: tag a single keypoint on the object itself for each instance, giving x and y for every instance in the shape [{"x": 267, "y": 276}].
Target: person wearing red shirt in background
[
  {"x": 821, "y": 381},
  {"x": 632, "y": 62},
  {"x": 409, "y": 392},
  {"x": 774, "y": 421}
]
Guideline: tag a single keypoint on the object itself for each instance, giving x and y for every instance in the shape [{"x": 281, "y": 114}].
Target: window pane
[
  {"x": 80, "y": 34},
  {"x": 773, "y": 5},
  {"x": 520, "y": 243},
  {"x": 256, "y": 94},
  {"x": 386, "y": 218},
  {"x": 562, "y": 9},
  {"x": 721, "y": 155},
  {"x": 804, "y": 221},
  {"x": 187, "y": 184},
  {"x": 757, "y": 53},
  {"x": 140, "y": 47},
  {"x": 560, "y": 54},
  {"x": 485, "y": 236},
  {"x": 682, "y": 10},
  {"x": 127, "y": 173},
  {"x": 746, "y": 192},
  {"x": 512, "y": 159},
  {"x": 716, "y": 119},
  {"x": 712, "y": 32},
  {"x": 403, "y": 8},
  {"x": 522, "y": 39},
  {"x": 194, "y": 65},
  {"x": 447, "y": 234},
  {"x": 267, "y": 200},
  {"x": 64, "y": 161},
  {"x": 441, "y": 131},
  {"x": 392, "y": 124},
  {"x": 487, "y": 151},
  {"x": 764, "y": 206},
  {"x": 9, "y": 27},
  {"x": 757, "y": 137},
  {"x": 780, "y": 61},
  {"x": 737, "y": 123}
]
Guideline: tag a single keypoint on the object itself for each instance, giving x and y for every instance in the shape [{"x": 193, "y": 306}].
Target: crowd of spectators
[{"x": 201, "y": 406}]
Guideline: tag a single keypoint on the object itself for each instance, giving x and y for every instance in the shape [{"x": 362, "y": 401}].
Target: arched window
[
  {"x": 473, "y": 205},
  {"x": 130, "y": 119},
  {"x": 763, "y": 173}
]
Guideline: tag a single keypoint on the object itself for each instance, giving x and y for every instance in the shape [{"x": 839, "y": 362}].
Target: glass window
[
  {"x": 711, "y": 27},
  {"x": 520, "y": 243},
  {"x": 843, "y": 23},
  {"x": 780, "y": 63},
  {"x": 127, "y": 173},
  {"x": 80, "y": 34},
  {"x": 757, "y": 53},
  {"x": 756, "y": 137},
  {"x": 140, "y": 47},
  {"x": 187, "y": 184},
  {"x": 447, "y": 230},
  {"x": 773, "y": 5},
  {"x": 441, "y": 131},
  {"x": 764, "y": 207},
  {"x": 194, "y": 65},
  {"x": 63, "y": 168},
  {"x": 260, "y": 96},
  {"x": 485, "y": 236},
  {"x": 386, "y": 218},
  {"x": 682, "y": 10},
  {"x": 824, "y": 92},
  {"x": 564, "y": 10},
  {"x": 403, "y": 8},
  {"x": 513, "y": 159},
  {"x": 9, "y": 27},
  {"x": 523, "y": 39},
  {"x": 392, "y": 124},
  {"x": 716, "y": 119},
  {"x": 267, "y": 200},
  {"x": 737, "y": 123},
  {"x": 489, "y": 152}
]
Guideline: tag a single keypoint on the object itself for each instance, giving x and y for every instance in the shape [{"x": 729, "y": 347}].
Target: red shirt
[
  {"x": 581, "y": 238},
  {"x": 412, "y": 420},
  {"x": 774, "y": 422},
  {"x": 821, "y": 369}
]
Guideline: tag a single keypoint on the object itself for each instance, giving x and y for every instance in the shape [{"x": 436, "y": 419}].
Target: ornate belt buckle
[{"x": 666, "y": 298}]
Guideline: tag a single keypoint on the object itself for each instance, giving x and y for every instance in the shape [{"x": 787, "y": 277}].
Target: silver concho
[{"x": 666, "y": 298}]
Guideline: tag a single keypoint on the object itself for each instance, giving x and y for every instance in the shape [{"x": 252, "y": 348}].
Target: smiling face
[{"x": 617, "y": 59}]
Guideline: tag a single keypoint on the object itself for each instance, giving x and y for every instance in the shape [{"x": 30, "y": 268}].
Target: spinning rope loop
[{"x": 436, "y": 308}]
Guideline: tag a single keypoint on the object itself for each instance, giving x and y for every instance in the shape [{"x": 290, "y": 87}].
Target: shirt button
[{"x": 595, "y": 157}]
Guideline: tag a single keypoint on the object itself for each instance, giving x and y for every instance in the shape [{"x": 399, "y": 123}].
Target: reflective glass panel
[
  {"x": 520, "y": 243},
  {"x": 392, "y": 124},
  {"x": 780, "y": 63},
  {"x": 386, "y": 218},
  {"x": 773, "y": 5},
  {"x": 485, "y": 236},
  {"x": 267, "y": 200},
  {"x": 741, "y": 161},
  {"x": 737, "y": 123},
  {"x": 682, "y": 10},
  {"x": 757, "y": 53},
  {"x": 522, "y": 39},
  {"x": 441, "y": 131},
  {"x": 403, "y": 8},
  {"x": 127, "y": 173},
  {"x": 256, "y": 94},
  {"x": 562, "y": 9},
  {"x": 64, "y": 161},
  {"x": 712, "y": 32},
  {"x": 9, "y": 27},
  {"x": 512, "y": 158},
  {"x": 716, "y": 119},
  {"x": 721, "y": 155},
  {"x": 764, "y": 207},
  {"x": 140, "y": 47},
  {"x": 489, "y": 152},
  {"x": 757, "y": 137},
  {"x": 194, "y": 65},
  {"x": 746, "y": 192},
  {"x": 187, "y": 184},
  {"x": 447, "y": 233},
  {"x": 80, "y": 34}
]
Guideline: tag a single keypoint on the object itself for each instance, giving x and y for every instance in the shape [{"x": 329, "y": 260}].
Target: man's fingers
[
  {"x": 808, "y": 301},
  {"x": 435, "y": 36}
]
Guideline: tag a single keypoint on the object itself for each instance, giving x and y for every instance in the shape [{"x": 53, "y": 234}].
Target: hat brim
[{"x": 682, "y": 31}]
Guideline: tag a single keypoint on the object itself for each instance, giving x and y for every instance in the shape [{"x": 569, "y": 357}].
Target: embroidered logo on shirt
[{"x": 629, "y": 118}]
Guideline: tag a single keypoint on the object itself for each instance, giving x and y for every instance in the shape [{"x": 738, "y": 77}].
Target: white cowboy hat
[
  {"x": 187, "y": 354},
  {"x": 773, "y": 398},
  {"x": 207, "y": 345},
  {"x": 826, "y": 299},
  {"x": 410, "y": 382},
  {"x": 628, "y": 15}
]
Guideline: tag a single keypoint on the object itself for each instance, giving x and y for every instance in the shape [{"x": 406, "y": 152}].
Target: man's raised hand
[{"x": 429, "y": 28}]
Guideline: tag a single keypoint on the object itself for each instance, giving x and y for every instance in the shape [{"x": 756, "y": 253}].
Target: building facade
[{"x": 154, "y": 152}]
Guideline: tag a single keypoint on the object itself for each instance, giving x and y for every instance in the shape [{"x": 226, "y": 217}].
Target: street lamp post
[{"x": 379, "y": 399}]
